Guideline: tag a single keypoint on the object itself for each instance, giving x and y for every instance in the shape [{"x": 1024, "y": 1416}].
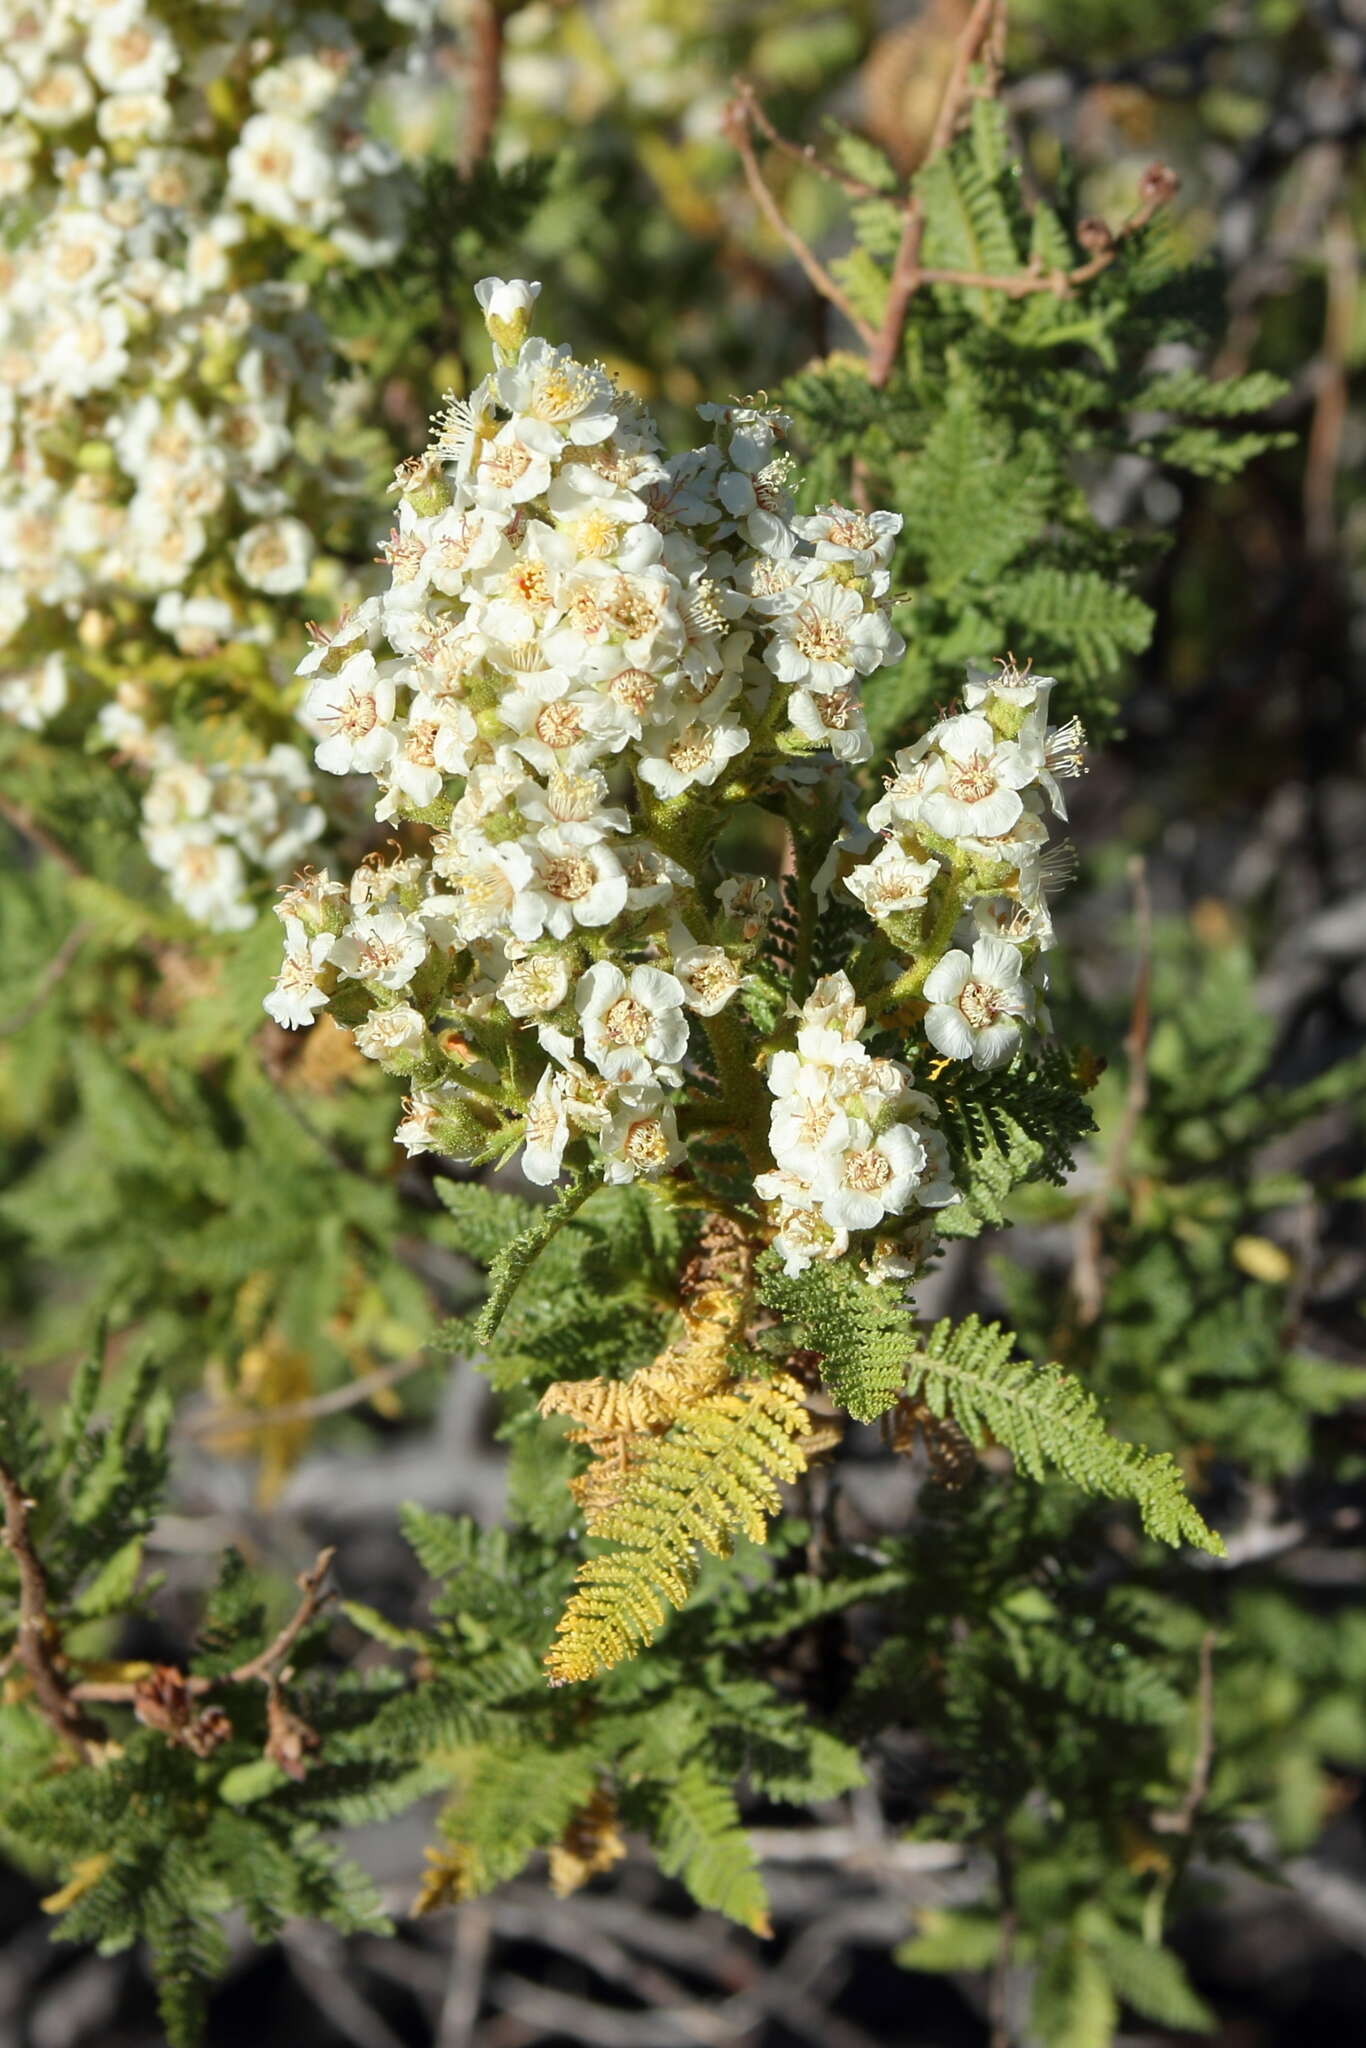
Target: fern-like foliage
[
  {"x": 864, "y": 1334},
  {"x": 1004, "y": 1130},
  {"x": 714, "y": 1475},
  {"x": 1045, "y": 1418}
]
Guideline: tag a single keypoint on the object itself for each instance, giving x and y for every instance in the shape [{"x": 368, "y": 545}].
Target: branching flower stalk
[{"x": 591, "y": 660}]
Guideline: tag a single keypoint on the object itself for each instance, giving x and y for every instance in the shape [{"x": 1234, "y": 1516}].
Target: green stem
[
  {"x": 741, "y": 1089},
  {"x": 806, "y": 918},
  {"x": 909, "y": 984}
]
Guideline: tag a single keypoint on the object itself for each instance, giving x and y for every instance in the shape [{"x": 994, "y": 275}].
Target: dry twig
[
  {"x": 267, "y": 1665},
  {"x": 35, "y": 1638},
  {"x": 982, "y": 38},
  {"x": 213, "y": 1422},
  {"x": 47, "y": 980},
  {"x": 736, "y": 123},
  {"x": 484, "y": 76}
]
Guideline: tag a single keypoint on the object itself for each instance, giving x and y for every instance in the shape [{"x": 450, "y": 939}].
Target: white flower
[
  {"x": 695, "y": 755},
  {"x": 354, "y": 708},
  {"x": 386, "y": 1032},
  {"x": 642, "y": 1139},
  {"x": 489, "y": 882},
  {"x": 62, "y": 96},
  {"x": 892, "y": 882},
  {"x": 807, "y": 1126},
  {"x": 130, "y": 55},
  {"x": 86, "y": 352},
  {"x": 873, "y": 1177},
  {"x": 828, "y": 638},
  {"x": 35, "y": 697},
  {"x": 1052, "y": 754},
  {"x": 574, "y": 883},
  {"x": 554, "y": 399},
  {"x": 297, "y": 994},
  {"x": 832, "y": 719},
  {"x": 412, "y": 774},
  {"x": 832, "y": 1005},
  {"x": 383, "y": 946},
  {"x": 1018, "y": 687},
  {"x": 509, "y": 471},
  {"x": 838, "y": 535},
  {"x": 632, "y": 1028},
  {"x": 803, "y": 1234},
  {"x": 281, "y": 168},
  {"x": 973, "y": 780},
  {"x": 976, "y": 1003},
  {"x": 935, "y": 1189},
  {"x": 547, "y": 1130},
  {"x": 534, "y": 985},
  {"x": 508, "y": 301},
  {"x": 205, "y": 875},
  {"x": 275, "y": 556},
  {"x": 419, "y": 1130},
  {"x": 708, "y": 975}
]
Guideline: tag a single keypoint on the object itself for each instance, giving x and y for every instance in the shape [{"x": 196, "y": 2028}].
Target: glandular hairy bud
[{"x": 462, "y": 1128}]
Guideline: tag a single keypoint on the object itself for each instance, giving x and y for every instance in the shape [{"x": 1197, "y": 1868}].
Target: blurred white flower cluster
[
  {"x": 648, "y": 57},
  {"x": 588, "y": 656},
  {"x": 162, "y": 488}
]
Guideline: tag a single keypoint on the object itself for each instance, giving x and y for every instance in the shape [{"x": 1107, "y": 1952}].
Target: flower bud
[{"x": 507, "y": 310}]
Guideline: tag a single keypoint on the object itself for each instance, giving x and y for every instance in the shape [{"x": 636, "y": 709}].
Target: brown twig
[
  {"x": 228, "y": 1421},
  {"x": 1181, "y": 1819},
  {"x": 267, "y": 1664},
  {"x": 736, "y": 124},
  {"x": 35, "y": 1635},
  {"x": 1087, "y": 1278},
  {"x": 484, "y": 77},
  {"x": 47, "y": 980},
  {"x": 907, "y": 277},
  {"x": 982, "y": 37},
  {"x": 1324, "y": 451},
  {"x": 803, "y": 153},
  {"x": 23, "y": 821}
]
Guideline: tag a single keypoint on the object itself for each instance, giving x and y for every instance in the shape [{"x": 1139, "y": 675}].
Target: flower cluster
[
  {"x": 587, "y": 655},
  {"x": 164, "y": 485},
  {"x": 854, "y": 1142},
  {"x": 968, "y": 802},
  {"x": 207, "y": 823}
]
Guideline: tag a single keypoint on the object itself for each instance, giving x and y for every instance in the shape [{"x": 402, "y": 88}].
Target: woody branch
[
  {"x": 35, "y": 1638},
  {"x": 267, "y": 1665},
  {"x": 982, "y": 38}
]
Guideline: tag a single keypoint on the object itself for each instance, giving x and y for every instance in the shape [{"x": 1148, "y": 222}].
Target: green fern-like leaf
[
  {"x": 1046, "y": 1419},
  {"x": 487, "y": 1221},
  {"x": 863, "y": 1333},
  {"x": 697, "y": 1837},
  {"x": 713, "y": 1476},
  {"x": 1006, "y": 1129},
  {"x": 518, "y": 1256}
]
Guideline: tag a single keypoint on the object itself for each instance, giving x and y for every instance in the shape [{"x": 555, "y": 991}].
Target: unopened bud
[{"x": 507, "y": 308}]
